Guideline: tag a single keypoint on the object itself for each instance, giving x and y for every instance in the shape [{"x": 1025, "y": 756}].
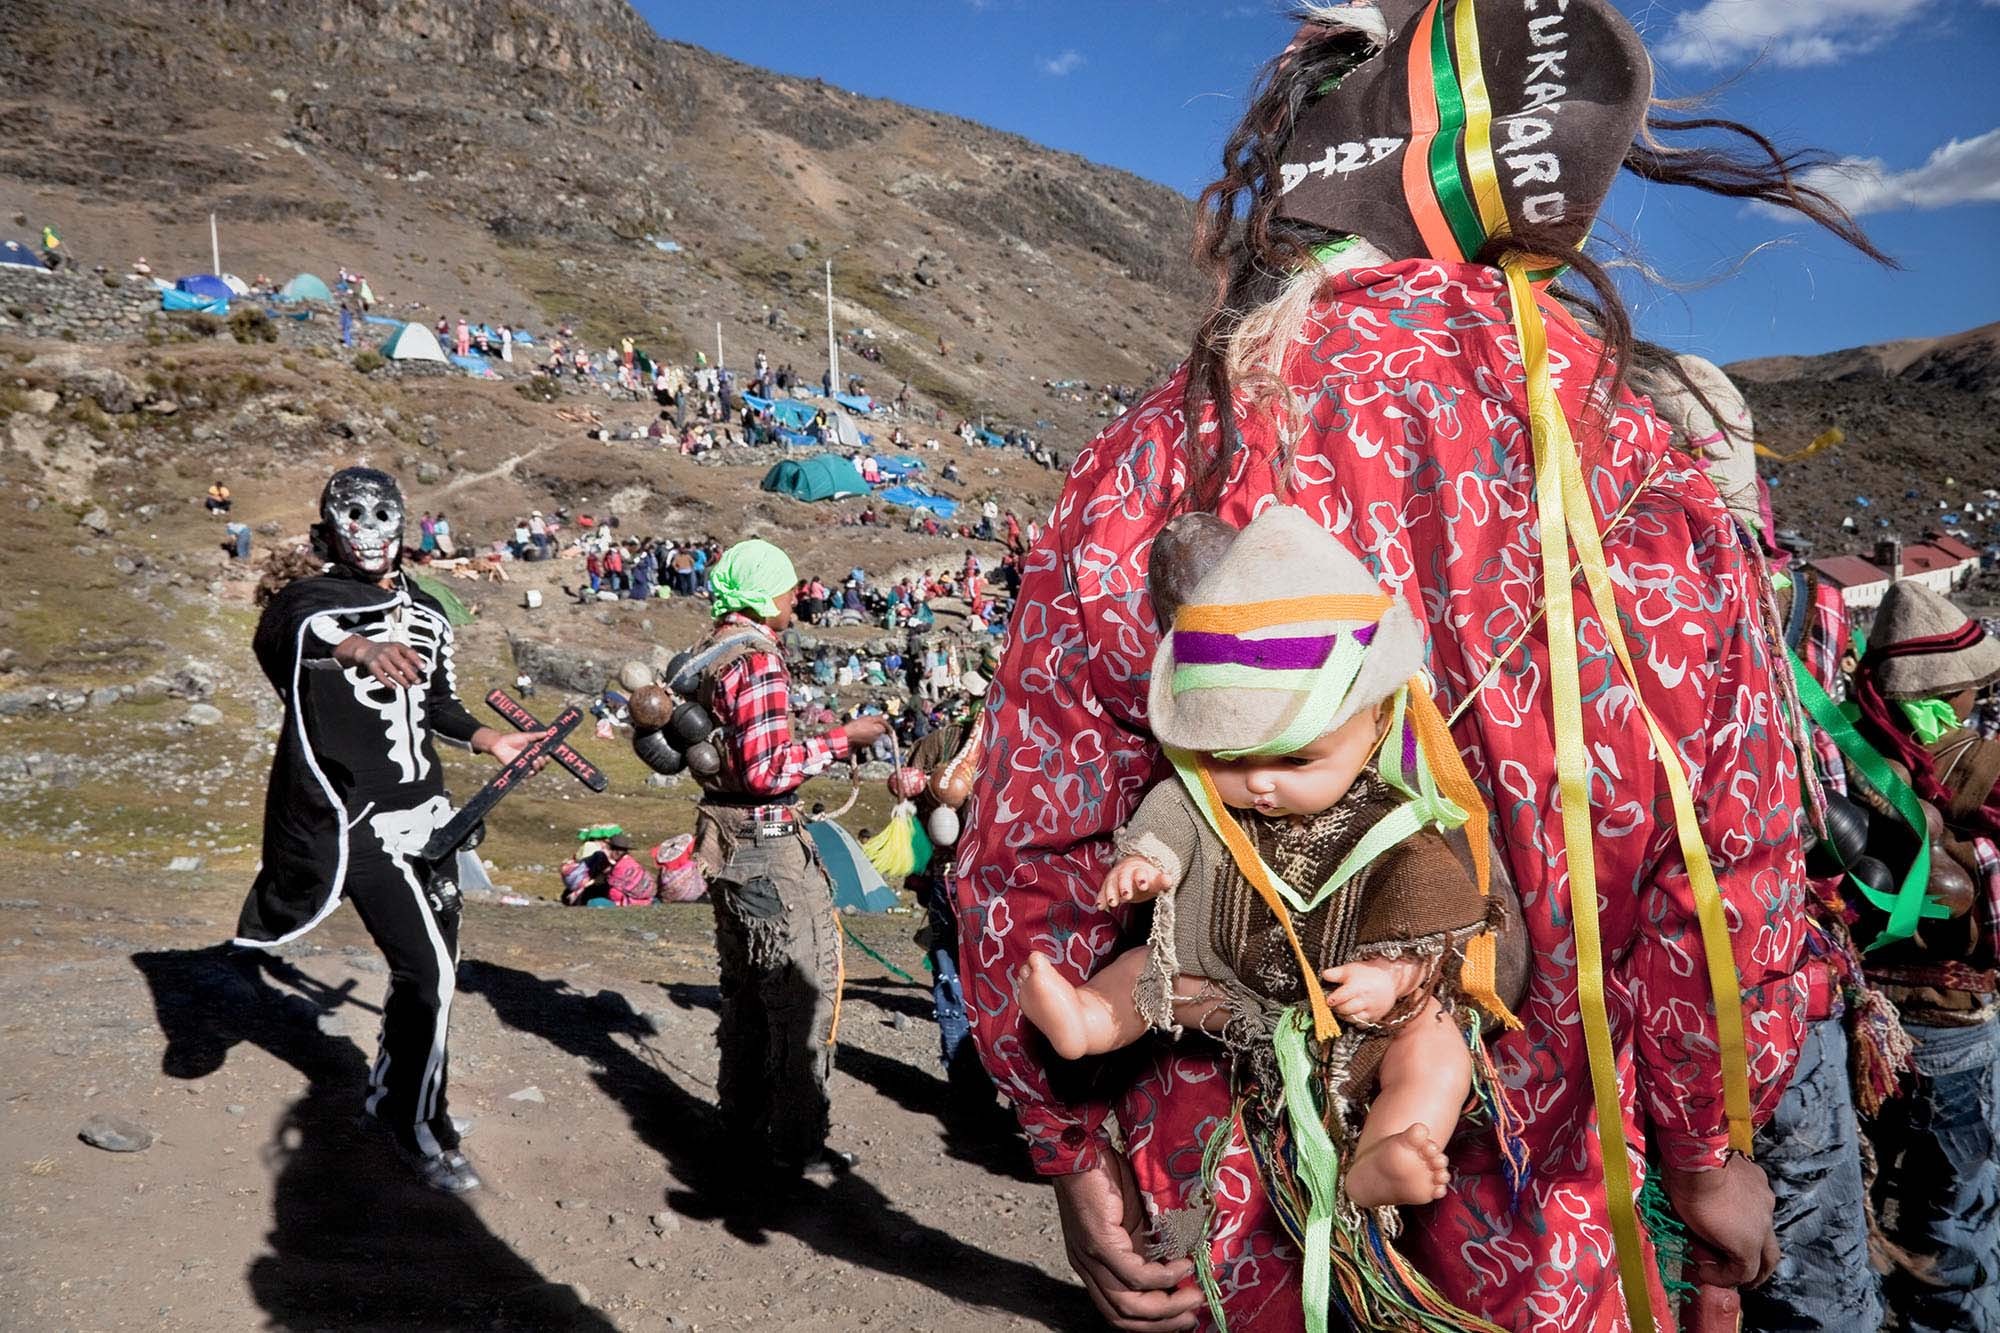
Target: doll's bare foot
[
  {"x": 1404, "y": 1168},
  {"x": 1054, "y": 1006}
]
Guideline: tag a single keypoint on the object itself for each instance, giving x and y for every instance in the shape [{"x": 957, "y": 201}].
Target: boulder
[
  {"x": 109, "y": 389},
  {"x": 96, "y": 520},
  {"x": 564, "y": 668},
  {"x": 193, "y": 680},
  {"x": 201, "y": 715}
]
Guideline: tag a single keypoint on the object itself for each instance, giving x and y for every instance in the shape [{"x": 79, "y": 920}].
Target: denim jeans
[
  {"x": 1811, "y": 1152},
  {"x": 1938, "y": 1194},
  {"x": 947, "y": 1000}
]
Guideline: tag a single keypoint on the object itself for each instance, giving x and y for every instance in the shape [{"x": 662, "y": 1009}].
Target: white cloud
[
  {"x": 1964, "y": 171},
  {"x": 1789, "y": 32},
  {"x": 1069, "y": 62}
]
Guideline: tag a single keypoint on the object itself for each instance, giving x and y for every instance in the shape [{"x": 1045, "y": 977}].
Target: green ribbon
[
  {"x": 1929, "y": 719},
  {"x": 1317, "y": 1164},
  {"x": 1453, "y": 199},
  {"x": 1909, "y": 906},
  {"x": 1326, "y": 688}
]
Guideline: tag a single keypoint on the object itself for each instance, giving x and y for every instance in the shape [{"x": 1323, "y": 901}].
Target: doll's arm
[
  {"x": 1155, "y": 847},
  {"x": 1368, "y": 990}
]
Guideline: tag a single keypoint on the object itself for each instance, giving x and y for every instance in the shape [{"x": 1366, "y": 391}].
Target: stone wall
[{"x": 75, "y": 307}]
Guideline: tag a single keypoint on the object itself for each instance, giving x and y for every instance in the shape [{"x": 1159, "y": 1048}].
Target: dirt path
[{"x": 585, "y": 1053}]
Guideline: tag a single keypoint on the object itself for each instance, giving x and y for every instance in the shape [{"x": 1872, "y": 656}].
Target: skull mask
[{"x": 362, "y": 510}]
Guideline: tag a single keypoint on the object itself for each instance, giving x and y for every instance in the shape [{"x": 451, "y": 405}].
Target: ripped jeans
[
  {"x": 1811, "y": 1152},
  {"x": 1938, "y": 1193}
]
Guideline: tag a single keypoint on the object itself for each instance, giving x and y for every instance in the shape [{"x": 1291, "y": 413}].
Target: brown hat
[
  {"x": 1470, "y": 120},
  {"x": 1241, "y": 671},
  {"x": 619, "y": 843},
  {"x": 1923, "y": 647}
]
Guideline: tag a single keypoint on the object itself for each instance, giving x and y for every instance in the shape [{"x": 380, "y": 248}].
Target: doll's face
[{"x": 1304, "y": 782}]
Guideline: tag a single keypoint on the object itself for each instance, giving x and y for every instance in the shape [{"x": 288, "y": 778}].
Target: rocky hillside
[
  {"x": 1922, "y": 437},
  {"x": 1967, "y": 362},
  {"x": 520, "y": 161}
]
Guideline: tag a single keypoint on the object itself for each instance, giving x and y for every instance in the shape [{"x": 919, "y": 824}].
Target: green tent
[
  {"x": 412, "y": 342},
  {"x": 454, "y": 610},
  {"x": 306, "y": 287},
  {"x": 827, "y": 477}
]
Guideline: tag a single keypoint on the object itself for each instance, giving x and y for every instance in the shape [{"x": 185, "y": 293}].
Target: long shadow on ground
[
  {"x": 977, "y": 1131},
  {"x": 849, "y": 1220},
  {"x": 355, "y": 1243}
]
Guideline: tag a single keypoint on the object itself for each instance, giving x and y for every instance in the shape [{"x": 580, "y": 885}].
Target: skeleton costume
[{"x": 356, "y": 789}]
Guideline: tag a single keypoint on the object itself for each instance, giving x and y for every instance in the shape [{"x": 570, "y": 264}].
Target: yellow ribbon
[
  {"x": 1826, "y": 440},
  {"x": 1565, "y": 513},
  {"x": 1479, "y": 163}
]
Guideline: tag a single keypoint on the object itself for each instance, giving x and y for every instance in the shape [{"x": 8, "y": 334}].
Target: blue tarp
[
  {"x": 853, "y": 404},
  {"x": 997, "y": 441},
  {"x": 179, "y": 300},
  {"x": 797, "y": 439},
  {"x": 788, "y": 411},
  {"x": 475, "y": 365},
  {"x": 916, "y": 497},
  {"x": 390, "y": 320},
  {"x": 205, "y": 284},
  {"x": 19, "y": 256},
  {"x": 899, "y": 468}
]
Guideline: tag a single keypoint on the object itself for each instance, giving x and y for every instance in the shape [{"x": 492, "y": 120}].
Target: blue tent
[
  {"x": 856, "y": 882},
  {"x": 177, "y": 300},
  {"x": 17, "y": 255},
  {"x": 997, "y": 441},
  {"x": 916, "y": 497},
  {"x": 205, "y": 284}
]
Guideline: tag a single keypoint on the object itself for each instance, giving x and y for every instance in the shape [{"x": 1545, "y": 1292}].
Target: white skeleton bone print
[{"x": 402, "y": 711}]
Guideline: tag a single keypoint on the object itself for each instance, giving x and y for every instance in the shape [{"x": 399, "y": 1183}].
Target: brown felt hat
[
  {"x": 1472, "y": 119},
  {"x": 1261, "y": 613},
  {"x": 1965, "y": 656}
]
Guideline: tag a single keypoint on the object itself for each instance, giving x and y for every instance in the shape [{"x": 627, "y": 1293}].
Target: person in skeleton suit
[{"x": 362, "y": 658}]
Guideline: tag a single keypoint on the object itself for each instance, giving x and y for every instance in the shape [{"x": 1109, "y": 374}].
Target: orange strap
[
  {"x": 1235, "y": 619},
  {"x": 1252, "y": 866},
  {"x": 1419, "y": 191}
]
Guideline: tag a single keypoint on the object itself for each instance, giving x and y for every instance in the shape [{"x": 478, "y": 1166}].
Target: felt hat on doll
[
  {"x": 1724, "y": 439},
  {"x": 1461, "y": 120},
  {"x": 1285, "y": 633}
]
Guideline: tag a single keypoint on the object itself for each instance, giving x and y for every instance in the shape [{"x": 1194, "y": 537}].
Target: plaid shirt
[
  {"x": 753, "y": 700},
  {"x": 1827, "y": 638}
]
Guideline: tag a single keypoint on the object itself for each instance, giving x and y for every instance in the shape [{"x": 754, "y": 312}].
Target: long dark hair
[{"x": 1248, "y": 253}]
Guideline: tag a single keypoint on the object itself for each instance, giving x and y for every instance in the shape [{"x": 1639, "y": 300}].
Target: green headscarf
[{"x": 750, "y": 577}]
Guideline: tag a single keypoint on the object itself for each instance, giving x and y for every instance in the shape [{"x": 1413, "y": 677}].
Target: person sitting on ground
[{"x": 218, "y": 501}]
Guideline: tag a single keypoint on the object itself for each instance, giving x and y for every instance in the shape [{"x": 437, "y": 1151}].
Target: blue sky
[{"x": 1903, "y": 88}]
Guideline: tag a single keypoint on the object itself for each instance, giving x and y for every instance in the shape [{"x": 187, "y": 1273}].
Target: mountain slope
[
  {"x": 509, "y": 160},
  {"x": 1968, "y": 362}
]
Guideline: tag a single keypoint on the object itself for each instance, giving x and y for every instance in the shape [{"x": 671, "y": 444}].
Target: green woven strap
[
  {"x": 1317, "y": 1166},
  {"x": 1909, "y": 905}
]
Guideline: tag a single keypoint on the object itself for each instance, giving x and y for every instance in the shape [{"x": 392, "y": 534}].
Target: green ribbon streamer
[
  {"x": 1445, "y": 175},
  {"x": 1909, "y": 906},
  {"x": 1318, "y": 1165},
  {"x": 891, "y": 967}
]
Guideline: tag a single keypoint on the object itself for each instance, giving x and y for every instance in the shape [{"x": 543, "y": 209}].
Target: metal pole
[
  {"x": 718, "y": 344},
  {"x": 214, "y": 246},
  {"x": 832, "y": 347}
]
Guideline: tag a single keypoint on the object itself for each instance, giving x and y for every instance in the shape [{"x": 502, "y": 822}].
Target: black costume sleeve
[
  {"x": 282, "y": 640},
  {"x": 447, "y": 715}
]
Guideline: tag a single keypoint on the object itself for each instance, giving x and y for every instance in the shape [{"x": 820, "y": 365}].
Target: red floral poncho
[{"x": 1417, "y": 453}]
